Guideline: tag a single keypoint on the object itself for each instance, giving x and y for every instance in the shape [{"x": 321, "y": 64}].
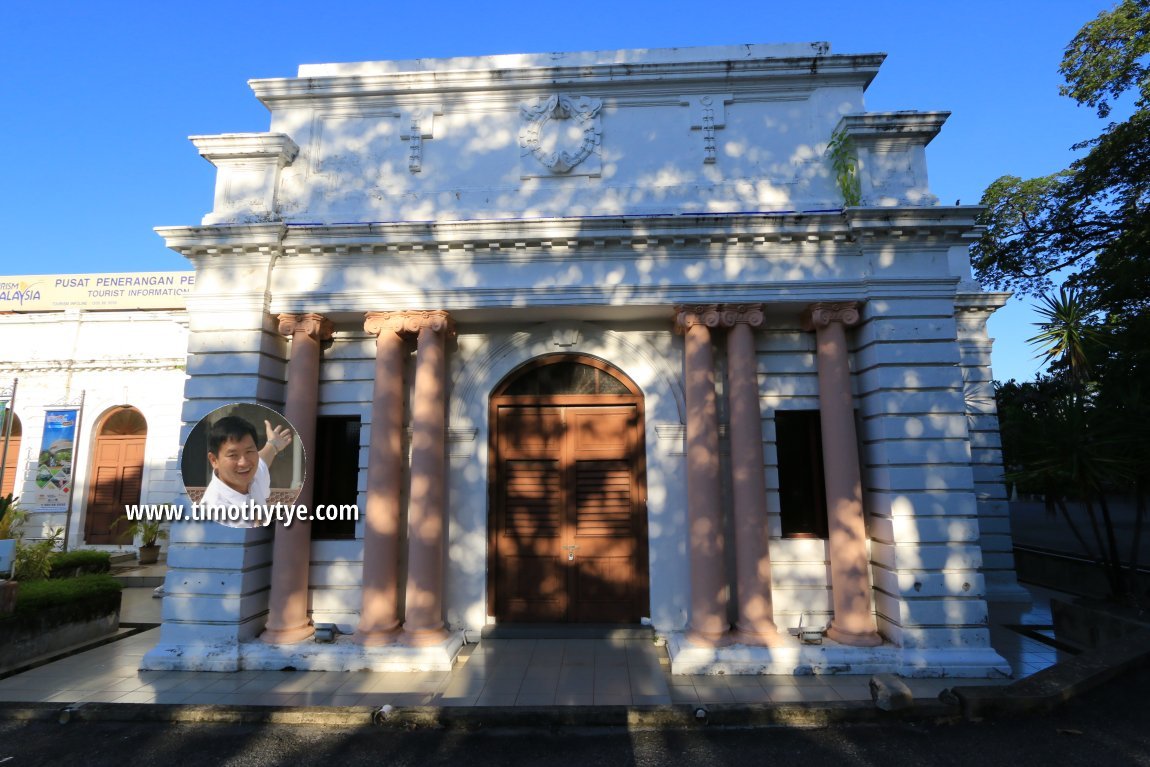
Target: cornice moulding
[
  {"x": 111, "y": 365},
  {"x": 986, "y": 301},
  {"x": 859, "y": 70},
  {"x": 655, "y": 297},
  {"x": 184, "y": 239},
  {"x": 873, "y": 126},
  {"x": 246, "y": 146},
  {"x": 88, "y": 316},
  {"x": 951, "y": 224}
]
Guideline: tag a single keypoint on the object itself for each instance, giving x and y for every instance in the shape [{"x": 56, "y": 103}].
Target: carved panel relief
[
  {"x": 708, "y": 114},
  {"x": 558, "y": 134},
  {"x": 352, "y": 143},
  {"x": 418, "y": 125},
  {"x": 355, "y": 154}
]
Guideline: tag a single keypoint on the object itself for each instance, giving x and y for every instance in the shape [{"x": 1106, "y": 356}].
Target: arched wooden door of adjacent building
[
  {"x": 117, "y": 474},
  {"x": 568, "y": 495},
  {"x": 11, "y": 455}
]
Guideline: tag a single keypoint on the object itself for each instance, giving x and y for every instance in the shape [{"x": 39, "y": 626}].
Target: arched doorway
[
  {"x": 10, "y": 454},
  {"x": 117, "y": 473},
  {"x": 568, "y": 532}
]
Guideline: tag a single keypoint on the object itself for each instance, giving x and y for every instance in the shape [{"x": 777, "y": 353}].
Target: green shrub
[
  {"x": 11, "y": 516},
  {"x": 33, "y": 561},
  {"x": 69, "y": 599},
  {"x": 68, "y": 564}
]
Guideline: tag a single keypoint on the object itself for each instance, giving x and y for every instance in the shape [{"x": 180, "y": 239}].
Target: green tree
[
  {"x": 1063, "y": 442},
  {"x": 1092, "y": 220},
  {"x": 1082, "y": 432}
]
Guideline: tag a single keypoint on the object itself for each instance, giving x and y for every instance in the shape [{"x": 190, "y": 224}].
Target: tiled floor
[
  {"x": 497, "y": 672},
  {"x": 1013, "y": 633}
]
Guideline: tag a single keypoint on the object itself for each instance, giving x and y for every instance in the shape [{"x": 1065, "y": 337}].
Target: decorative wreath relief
[{"x": 557, "y": 122}]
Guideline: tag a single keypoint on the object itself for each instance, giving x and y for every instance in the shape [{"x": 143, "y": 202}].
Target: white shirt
[{"x": 218, "y": 494}]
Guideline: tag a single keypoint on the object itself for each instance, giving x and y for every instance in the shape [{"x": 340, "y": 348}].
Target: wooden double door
[
  {"x": 570, "y": 537},
  {"x": 117, "y": 472}
]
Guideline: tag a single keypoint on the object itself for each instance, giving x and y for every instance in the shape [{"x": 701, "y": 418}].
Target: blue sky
[{"x": 98, "y": 97}]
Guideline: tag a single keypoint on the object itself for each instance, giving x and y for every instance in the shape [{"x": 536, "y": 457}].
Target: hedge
[
  {"x": 63, "y": 600},
  {"x": 72, "y": 563}
]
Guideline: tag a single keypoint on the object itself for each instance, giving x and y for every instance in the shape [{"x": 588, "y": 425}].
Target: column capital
[
  {"x": 741, "y": 314},
  {"x": 409, "y": 322},
  {"x": 822, "y": 314},
  {"x": 687, "y": 316},
  {"x": 315, "y": 325}
]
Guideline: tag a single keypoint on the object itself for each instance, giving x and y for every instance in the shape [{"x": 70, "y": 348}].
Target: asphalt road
[{"x": 1110, "y": 726}]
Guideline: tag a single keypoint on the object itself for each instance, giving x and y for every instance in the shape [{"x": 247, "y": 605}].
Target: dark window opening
[
  {"x": 802, "y": 492},
  {"x": 336, "y": 467}
]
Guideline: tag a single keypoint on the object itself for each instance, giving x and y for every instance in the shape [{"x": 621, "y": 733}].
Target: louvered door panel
[
  {"x": 532, "y": 502},
  {"x": 603, "y": 503}
]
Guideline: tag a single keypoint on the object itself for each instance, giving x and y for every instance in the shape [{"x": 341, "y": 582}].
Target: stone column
[
  {"x": 708, "y": 625},
  {"x": 854, "y": 621},
  {"x": 426, "y": 515},
  {"x": 755, "y": 623},
  {"x": 291, "y": 551},
  {"x": 379, "y": 613}
]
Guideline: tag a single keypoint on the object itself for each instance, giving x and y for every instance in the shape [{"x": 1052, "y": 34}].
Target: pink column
[
  {"x": 426, "y": 516},
  {"x": 755, "y": 623},
  {"x": 854, "y": 621},
  {"x": 708, "y": 625},
  {"x": 379, "y": 614},
  {"x": 291, "y": 551}
]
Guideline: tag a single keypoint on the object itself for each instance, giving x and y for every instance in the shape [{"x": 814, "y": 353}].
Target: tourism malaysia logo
[{"x": 18, "y": 292}]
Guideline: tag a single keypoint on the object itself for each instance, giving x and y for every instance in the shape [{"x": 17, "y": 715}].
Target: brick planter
[
  {"x": 23, "y": 638},
  {"x": 8, "y": 591}
]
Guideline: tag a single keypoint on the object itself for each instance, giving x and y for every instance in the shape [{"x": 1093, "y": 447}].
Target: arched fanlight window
[
  {"x": 565, "y": 376},
  {"x": 17, "y": 429},
  {"x": 124, "y": 422}
]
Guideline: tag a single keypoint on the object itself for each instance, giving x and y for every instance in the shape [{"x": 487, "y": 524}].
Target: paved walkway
[{"x": 497, "y": 672}]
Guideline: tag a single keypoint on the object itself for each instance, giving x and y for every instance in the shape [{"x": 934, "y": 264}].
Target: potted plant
[{"x": 149, "y": 531}]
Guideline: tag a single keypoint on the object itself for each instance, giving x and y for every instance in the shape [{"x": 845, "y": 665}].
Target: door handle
[{"x": 570, "y": 552}]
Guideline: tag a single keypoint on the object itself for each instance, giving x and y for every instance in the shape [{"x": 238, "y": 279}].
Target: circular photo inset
[{"x": 239, "y": 462}]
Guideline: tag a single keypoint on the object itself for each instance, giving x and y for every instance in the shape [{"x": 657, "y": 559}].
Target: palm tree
[
  {"x": 1070, "y": 334},
  {"x": 1066, "y": 444}
]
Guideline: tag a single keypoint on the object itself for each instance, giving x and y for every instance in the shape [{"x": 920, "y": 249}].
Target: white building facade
[
  {"x": 597, "y": 338},
  {"x": 103, "y": 355}
]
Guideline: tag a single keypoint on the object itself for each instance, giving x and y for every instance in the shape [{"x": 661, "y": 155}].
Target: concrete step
[
  {"x": 566, "y": 631},
  {"x": 139, "y": 576}
]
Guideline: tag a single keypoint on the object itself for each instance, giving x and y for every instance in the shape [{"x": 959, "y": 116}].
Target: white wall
[{"x": 112, "y": 359}]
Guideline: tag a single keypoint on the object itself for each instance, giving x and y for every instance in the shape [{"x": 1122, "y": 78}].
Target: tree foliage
[
  {"x": 1080, "y": 435},
  {"x": 1068, "y": 333},
  {"x": 1091, "y": 220},
  {"x": 1104, "y": 59}
]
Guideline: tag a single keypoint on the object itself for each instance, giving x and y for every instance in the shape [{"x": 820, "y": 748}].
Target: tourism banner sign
[
  {"x": 100, "y": 291},
  {"x": 54, "y": 469}
]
